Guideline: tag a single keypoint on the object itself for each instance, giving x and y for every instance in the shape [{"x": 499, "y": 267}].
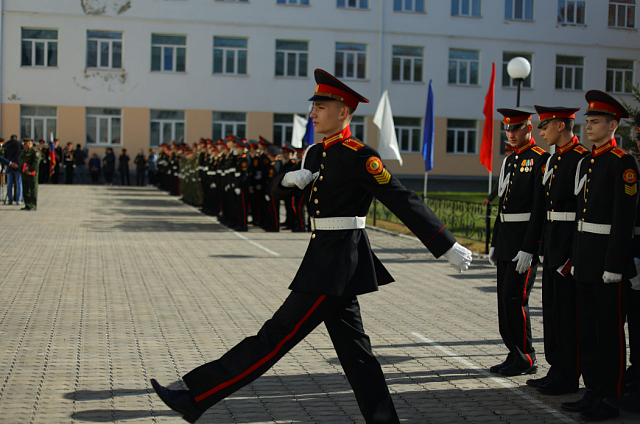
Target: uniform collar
[
  {"x": 604, "y": 148},
  {"x": 526, "y": 146},
  {"x": 336, "y": 138},
  {"x": 569, "y": 145}
]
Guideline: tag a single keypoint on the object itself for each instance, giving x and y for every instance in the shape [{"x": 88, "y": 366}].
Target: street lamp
[{"x": 518, "y": 68}]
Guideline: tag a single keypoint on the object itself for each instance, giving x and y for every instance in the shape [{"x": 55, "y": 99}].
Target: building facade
[{"x": 136, "y": 73}]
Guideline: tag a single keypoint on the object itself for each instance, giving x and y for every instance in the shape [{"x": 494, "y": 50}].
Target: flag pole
[{"x": 424, "y": 192}]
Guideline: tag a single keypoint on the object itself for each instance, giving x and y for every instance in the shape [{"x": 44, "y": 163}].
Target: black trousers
[
  {"x": 513, "y": 311},
  {"x": 298, "y": 316},
  {"x": 560, "y": 326},
  {"x": 603, "y": 354},
  {"x": 633, "y": 322}
]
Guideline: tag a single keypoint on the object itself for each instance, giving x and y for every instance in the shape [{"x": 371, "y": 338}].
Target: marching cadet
[
  {"x": 69, "y": 166},
  {"x": 288, "y": 163},
  {"x": 558, "y": 285},
  {"x": 29, "y": 166},
  {"x": 350, "y": 173},
  {"x": 606, "y": 186},
  {"x": 273, "y": 206},
  {"x": 517, "y": 235}
]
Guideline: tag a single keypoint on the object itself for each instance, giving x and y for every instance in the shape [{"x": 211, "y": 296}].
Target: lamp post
[{"x": 518, "y": 68}]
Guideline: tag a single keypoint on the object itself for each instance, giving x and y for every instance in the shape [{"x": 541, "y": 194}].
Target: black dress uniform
[
  {"x": 518, "y": 228},
  {"x": 271, "y": 171},
  {"x": 69, "y": 166},
  {"x": 632, "y": 376},
  {"x": 558, "y": 285},
  {"x": 350, "y": 174},
  {"x": 241, "y": 188}
]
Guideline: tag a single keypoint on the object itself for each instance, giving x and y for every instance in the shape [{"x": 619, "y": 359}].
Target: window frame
[
  {"x": 616, "y": 14},
  {"x": 357, "y": 125},
  {"x": 46, "y": 120},
  {"x": 47, "y": 42},
  {"x": 466, "y": 131},
  {"x": 471, "y": 3},
  {"x": 298, "y": 54},
  {"x": 403, "y": 58},
  {"x": 627, "y": 86},
  {"x": 109, "y": 42},
  {"x": 511, "y": 5},
  {"x": 401, "y": 6},
  {"x": 174, "y": 54},
  {"x": 565, "y": 12},
  {"x": 225, "y": 122},
  {"x": 574, "y": 71},
  {"x": 110, "y": 119},
  {"x": 236, "y": 56},
  {"x": 413, "y": 130},
  {"x": 528, "y": 81},
  {"x": 164, "y": 121},
  {"x": 293, "y": 2},
  {"x": 342, "y": 74},
  {"x": 469, "y": 63},
  {"x": 360, "y": 4}
]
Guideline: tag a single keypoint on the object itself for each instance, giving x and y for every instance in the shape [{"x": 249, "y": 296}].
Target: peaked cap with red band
[
  {"x": 263, "y": 141},
  {"x": 513, "y": 118},
  {"x": 548, "y": 114},
  {"x": 329, "y": 88},
  {"x": 603, "y": 104}
]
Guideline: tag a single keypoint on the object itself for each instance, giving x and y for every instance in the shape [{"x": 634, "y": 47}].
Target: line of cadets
[{"x": 230, "y": 179}]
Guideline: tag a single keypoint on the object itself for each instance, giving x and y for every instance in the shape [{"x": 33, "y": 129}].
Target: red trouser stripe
[
  {"x": 524, "y": 317},
  {"x": 273, "y": 353}
]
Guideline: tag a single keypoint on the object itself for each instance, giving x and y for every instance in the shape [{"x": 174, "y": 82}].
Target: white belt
[
  {"x": 514, "y": 217},
  {"x": 341, "y": 223},
  {"x": 593, "y": 228},
  {"x": 561, "y": 216}
]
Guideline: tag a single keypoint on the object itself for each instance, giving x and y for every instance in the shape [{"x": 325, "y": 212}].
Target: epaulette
[
  {"x": 353, "y": 144},
  {"x": 618, "y": 152},
  {"x": 580, "y": 149},
  {"x": 539, "y": 150}
]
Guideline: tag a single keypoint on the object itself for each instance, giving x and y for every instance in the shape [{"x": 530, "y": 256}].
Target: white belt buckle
[
  {"x": 313, "y": 223},
  {"x": 580, "y": 223}
]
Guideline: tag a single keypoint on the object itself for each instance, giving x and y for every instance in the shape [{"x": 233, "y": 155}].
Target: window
[
  {"x": 406, "y": 64},
  {"x": 622, "y": 13},
  {"x": 229, "y": 123},
  {"x": 166, "y": 126},
  {"x": 518, "y": 9},
  {"x": 577, "y": 131},
  {"x": 38, "y": 122},
  {"x": 416, "y": 6},
  {"x": 351, "y": 60},
  {"x": 39, "y": 47},
  {"x": 237, "y": 1},
  {"x": 296, "y": 2},
  {"x": 464, "y": 67},
  {"x": 619, "y": 76},
  {"x": 291, "y": 58},
  {"x": 357, "y": 127},
  {"x": 166, "y": 53},
  {"x": 282, "y": 128},
  {"x": 461, "y": 136},
  {"x": 104, "y": 50},
  {"x": 230, "y": 56},
  {"x": 571, "y": 12},
  {"x": 569, "y": 72},
  {"x": 504, "y": 140},
  {"x": 465, "y": 7},
  {"x": 354, "y": 4},
  {"x": 506, "y": 79},
  {"x": 408, "y": 132},
  {"x": 104, "y": 126}
]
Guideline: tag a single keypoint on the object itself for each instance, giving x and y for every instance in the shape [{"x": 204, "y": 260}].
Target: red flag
[{"x": 486, "y": 149}]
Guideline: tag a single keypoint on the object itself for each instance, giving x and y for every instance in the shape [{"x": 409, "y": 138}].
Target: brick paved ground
[{"x": 105, "y": 287}]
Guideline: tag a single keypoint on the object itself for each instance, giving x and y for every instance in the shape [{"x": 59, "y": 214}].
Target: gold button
[
  {"x": 324, "y": 154},
  {"x": 316, "y": 201},
  {"x": 589, "y": 169},
  {"x": 555, "y": 166},
  {"x": 315, "y": 189},
  {"x": 552, "y": 210},
  {"x": 593, "y": 160},
  {"x": 547, "y": 193},
  {"x": 321, "y": 178},
  {"x": 322, "y": 166},
  {"x": 504, "y": 207},
  {"x": 313, "y": 235},
  {"x": 510, "y": 182},
  {"x": 516, "y": 156},
  {"x": 553, "y": 176},
  {"x": 559, "y": 157},
  {"x": 584, "y": 210},
  {"x": 515, "y": 166},
  {"x": 551, "y": 203},
  {"x": 317, "y": 212},
  {"x": 589, "y": 180}
]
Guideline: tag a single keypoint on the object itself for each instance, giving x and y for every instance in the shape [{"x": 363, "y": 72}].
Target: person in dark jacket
[
  {"x": 12, "y": 150},
  {"x": 55, "y": 178},
  {"x": 94, "y": 168},
  {"x": 123, "y": 167},
  {"x": 141, "y": 165},
  {"x": 342, "y": 175},
  {"x": 69, "y": 165},
  {"x": 80, "y": 156},
  {"x": 109, "y": 162}
]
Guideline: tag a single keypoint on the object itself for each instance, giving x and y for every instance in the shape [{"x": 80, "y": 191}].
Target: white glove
[
  {"x": 524, "y": 260},
  {"x": 238, "y": 191},
  {"x": 541, "y": 258},
  {"x": 492, "y": 256},
  {"x": 298, "y": 178},
  {"x": 266, "y": 197},
  {"x": 459, "y": 257},
  {"x": 610, "y": 277}
]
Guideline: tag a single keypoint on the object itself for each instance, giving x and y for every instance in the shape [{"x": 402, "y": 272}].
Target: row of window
[
  {"x": 230, "y": 55},
  {"x": 104, "y": 128}
]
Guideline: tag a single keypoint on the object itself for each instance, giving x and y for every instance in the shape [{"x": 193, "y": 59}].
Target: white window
[
  {"x": 104, "y": 50},
  {"x": 406, "y": 64},
  {"x": 294, "y": 2},
  {"x": 351, "y": 60},
  {"x": 354, "y": 4},
  {"x": 38, "y": 122},
  {"x": 622, "y": 13},
  {"x": 291, "y": 58},
  {"x": 39, "y": 47},
  {"x": 465, "y": 8},
  {"x": 416, "y": 6},
  {"x": 619, "y": 76},
  {"x": 507, "y": 81},
  {"x": 569, "y": 72},
  {"x": 571, "y": 12},
  {"x": 229, "y": 123},
  {"x": 357, "y": 127},
  {"x": 166, "y": 126},
  {"x": 464, "y": 67},
  {"x": 518, "y": 9},
  {"x": 104, "y": 126},
  {"x": 461, "y": 136},
  {"x": 230, "y": 56},
  {"x": 408, "y": 133},
  {"x": 168, "y": 53}
]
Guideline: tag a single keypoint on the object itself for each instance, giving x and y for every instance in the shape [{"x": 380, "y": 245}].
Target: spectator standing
[
  {"x": 55, "y": 178},
  {"x": 94, "y": 168},
  {"x": 12, "y": 150},
  {"x": 152, "y": 166},
  {"x": 67, "y": 157},
  {"x": 141, "y": 165},
  {"x": 109, "y": 161},
  {"x": 123, "y": 167},
  {"x": 80, "y": 156},
  {"x": 43, "y": 173}
]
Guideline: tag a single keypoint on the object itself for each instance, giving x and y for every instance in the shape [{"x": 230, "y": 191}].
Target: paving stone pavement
[{"x": 103, "y": 288}]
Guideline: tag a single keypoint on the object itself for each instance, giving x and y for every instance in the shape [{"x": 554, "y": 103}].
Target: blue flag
[
  {"x": 308, "y": 135},
  {"x": 429, "y": 129}
]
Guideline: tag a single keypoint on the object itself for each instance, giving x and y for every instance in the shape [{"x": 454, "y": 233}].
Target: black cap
[
  {"x": 242, "y": 142},
  {"x": 515, "y": 117},
  {"x": 288, "y": 147},
  {"x": 548, "y": 114},
  {"x": 254, "y": 142},
  {"x": 273, "y": 150},
  {"x": 601, "y": 103},
  {"x": 329, "y": 87},
  {"x": 264, "y": 141}
]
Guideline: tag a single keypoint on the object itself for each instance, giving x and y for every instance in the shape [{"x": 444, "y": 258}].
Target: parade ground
[{"x": 103, "y": 288}]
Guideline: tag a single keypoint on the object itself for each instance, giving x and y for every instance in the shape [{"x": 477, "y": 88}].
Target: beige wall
[
  {"x": 135, "y": 131},
  {"x": 199, "y": 125},
  {"x": 260, "y": 124},
  {"x": 10, "y": 120},
  {"x": 71, "y": 125}
]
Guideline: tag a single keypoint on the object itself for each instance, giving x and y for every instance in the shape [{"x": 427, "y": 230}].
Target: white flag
[
  {"x": 299, "y": 128},
  {"x": 388, "y": 143}
]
